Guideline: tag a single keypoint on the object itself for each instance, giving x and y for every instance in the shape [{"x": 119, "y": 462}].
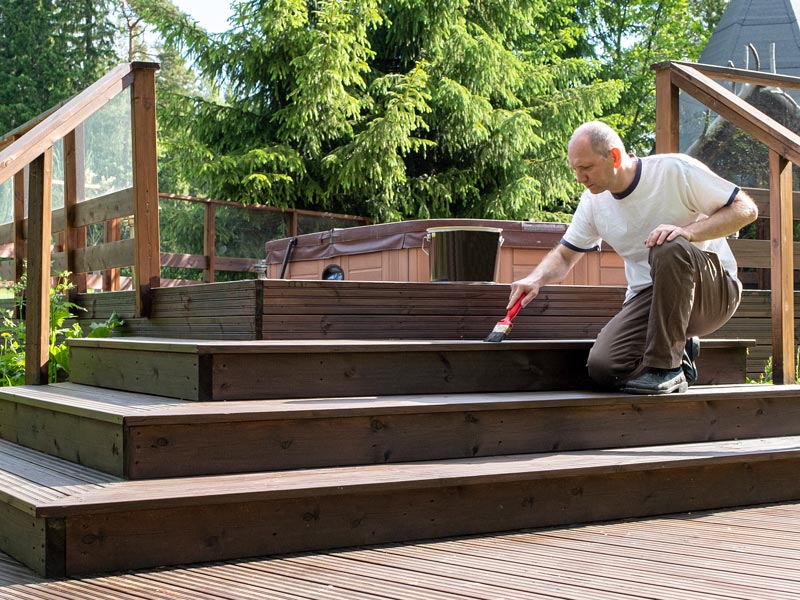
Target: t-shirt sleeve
[
  {"x": 708, "y": 192},
  {"x": 582, "y": 235}
]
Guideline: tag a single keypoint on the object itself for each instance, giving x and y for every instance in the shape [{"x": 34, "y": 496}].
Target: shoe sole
[{"x": 678, "y": 388}]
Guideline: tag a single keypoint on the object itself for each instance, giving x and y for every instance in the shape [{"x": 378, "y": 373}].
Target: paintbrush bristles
[{"x": 499, "y": 332}]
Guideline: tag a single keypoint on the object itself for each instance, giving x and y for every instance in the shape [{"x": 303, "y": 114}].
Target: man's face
[{"x": 594, "y": 171}]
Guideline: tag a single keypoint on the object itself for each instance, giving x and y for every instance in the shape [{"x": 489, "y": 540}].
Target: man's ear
[{"x": 617, "y": 156}]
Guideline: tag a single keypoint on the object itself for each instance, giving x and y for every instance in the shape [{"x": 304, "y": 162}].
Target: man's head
[{"x": 597, "y": 155}]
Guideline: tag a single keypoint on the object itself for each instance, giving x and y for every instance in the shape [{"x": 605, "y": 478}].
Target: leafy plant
[
  {"x": 13, "y": 335},
  {"x": 766, "y": 376}
]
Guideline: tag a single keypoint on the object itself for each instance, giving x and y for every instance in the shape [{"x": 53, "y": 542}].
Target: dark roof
[{"x": 761, "y": 23}]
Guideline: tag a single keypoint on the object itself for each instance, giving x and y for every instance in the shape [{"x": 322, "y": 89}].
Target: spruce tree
[
  {"x": 402, "y": 109},
  {"x": 49, "y": 51}
]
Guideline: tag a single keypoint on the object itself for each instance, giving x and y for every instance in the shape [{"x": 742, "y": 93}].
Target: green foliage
[
  {"x": 766, "y": 376},
  {"x": 49, "y": 51},
  {"x": 12, "y": 333},
  {"x": 628, "y": 37},
  {"x": 409, "y": 109}
]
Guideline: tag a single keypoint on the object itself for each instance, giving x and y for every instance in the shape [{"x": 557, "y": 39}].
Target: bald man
[{"x": 667, "y": 216}]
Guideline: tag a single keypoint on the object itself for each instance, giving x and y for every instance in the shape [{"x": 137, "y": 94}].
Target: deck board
[
  {"x": 131, "y": 408},
  {"x": 305, "y": 483},
  {"x": 709, "y": 555}
]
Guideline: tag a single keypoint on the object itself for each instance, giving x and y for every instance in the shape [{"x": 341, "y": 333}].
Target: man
[{"x": 667, "y": 216}]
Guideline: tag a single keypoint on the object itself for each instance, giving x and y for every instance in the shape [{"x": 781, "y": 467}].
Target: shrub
[{"x": 12, "y": 333}]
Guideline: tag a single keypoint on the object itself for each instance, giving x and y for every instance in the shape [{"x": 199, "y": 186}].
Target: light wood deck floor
[{"x": 749, "y": 554}]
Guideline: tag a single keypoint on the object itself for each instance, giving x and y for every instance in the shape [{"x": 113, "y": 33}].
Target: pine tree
[{"x": 402, "y": 109}]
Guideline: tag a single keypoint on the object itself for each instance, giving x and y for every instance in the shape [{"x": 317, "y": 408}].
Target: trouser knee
[
  {"x": 670, "y": 252},
  {"x": 602, "y": 372}
]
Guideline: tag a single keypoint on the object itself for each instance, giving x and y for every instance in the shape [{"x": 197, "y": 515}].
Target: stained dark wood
[
  {"x": 139, "y": 524},
  {"x": 37, "y": 318},
  {"x": 696, "y": 556},
  {"x": 145, "y": 436},
  {"x": 147, "y": 263},
  {"x": 339, "y": 310},
  {"x": 227, "y": 370},
  {"x": 782, "y": 279}
]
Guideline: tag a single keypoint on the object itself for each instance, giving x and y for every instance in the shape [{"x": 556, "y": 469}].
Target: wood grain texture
[{"x": 149, "y": 536}]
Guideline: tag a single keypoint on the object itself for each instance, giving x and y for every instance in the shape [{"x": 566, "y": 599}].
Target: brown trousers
[{"x": 691, "y": 295}]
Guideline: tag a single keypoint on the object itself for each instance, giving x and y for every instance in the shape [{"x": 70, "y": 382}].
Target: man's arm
[
  {"x": 553, "y": 269},
  {"x": 727, "y": 220}
]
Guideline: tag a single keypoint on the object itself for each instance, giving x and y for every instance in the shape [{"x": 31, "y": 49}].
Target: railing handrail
[
  {"x": 36, "y": 140},
  {"x": 728, "y": 105},
  {"x": 735, "y": 75},
  {"x": 9, "y": 138},
  {"x": 264, "y": 207}
]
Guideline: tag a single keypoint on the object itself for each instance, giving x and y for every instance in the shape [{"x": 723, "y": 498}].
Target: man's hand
[
  {"x": 526, "y": 288},
  {"x": 666, "y": 233}
]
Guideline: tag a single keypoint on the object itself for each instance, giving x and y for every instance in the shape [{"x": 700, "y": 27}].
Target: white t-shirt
[{"x": 673, "y": 189}]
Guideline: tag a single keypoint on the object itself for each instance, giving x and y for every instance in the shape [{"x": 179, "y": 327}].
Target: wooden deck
[
  {"x": 747, "y": 554},
  {"x": 316, "y": 310},
  {"x": 166, "y": 452}
]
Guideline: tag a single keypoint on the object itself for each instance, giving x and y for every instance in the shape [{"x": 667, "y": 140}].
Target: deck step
[
  {"x": 87, "y": 524},
  {"x": 235, "y": 370},
  {"x": 142, "y": 436},
  {"x": 29, "y": 479}
]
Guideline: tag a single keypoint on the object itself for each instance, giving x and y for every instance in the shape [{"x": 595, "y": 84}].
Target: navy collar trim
[{"x": 633, "y": 184}]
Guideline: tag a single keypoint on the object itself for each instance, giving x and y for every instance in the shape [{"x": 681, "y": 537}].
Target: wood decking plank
[
  {"x": 757, "y": 524},
  {"x": 508, "y": 567},
  {"x": 166, "y": 437},
  {"x": 167, "y": 493},
  {"x": 191, "y": 519},
  {"x": 608, "y": 545},
  {"x": 391, "y": 583},
  {"x": 177, "y": 585},
  {"x": 135, "y": 408},
  {"x": 231, "y": 370},
  {"x": 667, "y": 552},
  {"x": 239, "y": 582},
  {"x": 670, "y": 572},
  {"x": 676, "y": 541}
]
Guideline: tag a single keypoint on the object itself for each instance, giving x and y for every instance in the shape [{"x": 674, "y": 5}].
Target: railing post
[
  {"x": 74, "y": 192},
  {"x": 209, "y": 242},
  {"x": 782, "y": 273},
  {"x": 667, "y": 113},
  {"x": 37, "y": 293},
  {"x": 147, "y": 262}
]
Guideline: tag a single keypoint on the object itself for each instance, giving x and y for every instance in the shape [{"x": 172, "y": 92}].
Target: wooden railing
[
  {"x": 784, "y": 149},
  {"x": 209, "y": 262},
  {"x": 31, "y": 146},
  {"x": 115, "y": 252}
]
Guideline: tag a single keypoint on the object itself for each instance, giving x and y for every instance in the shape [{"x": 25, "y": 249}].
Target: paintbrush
[{"x": 500, "y": 331}]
